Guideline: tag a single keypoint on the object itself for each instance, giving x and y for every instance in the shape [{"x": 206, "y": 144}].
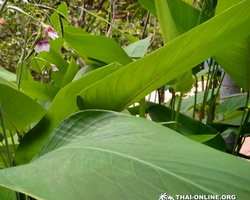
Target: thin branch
[
  {"x": 154, "y": 35},
  {"x": 80, "y": 16},
  {"x": 145, "y": 26}
]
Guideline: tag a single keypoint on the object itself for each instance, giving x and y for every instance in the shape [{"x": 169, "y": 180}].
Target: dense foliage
[{"x": 74, "y": 106}]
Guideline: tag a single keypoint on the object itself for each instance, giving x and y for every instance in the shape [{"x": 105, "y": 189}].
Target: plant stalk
[
  {"x": 213, "y": 82},
  {"x": 239, "y": 135},
  {"x": 178, "y": 111},
  {"x": 195, "y": 95},
  {"x": 3, "y": 6},
  {"x": 7, "y": 144},
  {"x": 206, "y": 92},
  {"x": 142, "y": 111}
]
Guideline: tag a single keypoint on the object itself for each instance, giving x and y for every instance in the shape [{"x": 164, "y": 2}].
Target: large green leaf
[
  {"x": 39, "y": 90},
  {"x": 185, "y": 16},
  {"x": 234, "y": 121},
  {"x": 19, "y": 110},
  {"x": 169, "y": 32},
  {"x": 6, "y": 194},
  {"x": 95, "y": 47},
  {"x": 121, "y": 89},
  {"x": 232, "y": 104},
  {"x": 235, "y": 59},
  {"x": 167, "y": 25},
  {"x": 7, "y": 75},
  {"x": 107, "y": 155},
  {"x": 62, "y": 106},
  {"x": 7, "y": 82},
  {"x": 188, "y": 127}
]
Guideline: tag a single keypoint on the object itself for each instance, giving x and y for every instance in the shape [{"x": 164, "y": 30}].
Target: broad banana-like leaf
[
  {"x": 7, "y": 75},
  {"x": 96, "y": 47},
  {"x": 39, "y": 90},
  {"x": 185, "y": 16},
  {"x": 231, "y": 105},
  {"x": 189, "y": 127},
  {"x": 108, "y": 155},
  {"x": 235, "y": 59},
  {"x": 19, "y": 110},
  {"x": 7, "y": 194},
  {"x": 126, "y": 86},
  {"x": 169, "y": 32},
  {"x": 63, "y": 105}
]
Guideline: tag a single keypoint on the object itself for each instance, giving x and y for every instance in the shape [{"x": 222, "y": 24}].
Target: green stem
[
  {"x": 195, "y": 95},
  {"x": 21, "y": 11},
  {"x": 22, "y": 60},
  {"x": 142, "y": 111},
  {"x": 173, "y": 107},
  {"x": 238, "y": 141},
  {"x": 178, "y": 111},
  {"x": 103, "y": 20},
  {"x": 13, "y": 142},
  {"x": 202, "y": 9},
  {"x": 218, "y": 90},
  {"x": 5, "y": 137},
  {"x": 242, "y": 133},
  {"x": 159, "y": 96},
  {"x": 213, "y": 82},
  {"x": 7, "y": 144},
  {"x": 206, "y": 92}
]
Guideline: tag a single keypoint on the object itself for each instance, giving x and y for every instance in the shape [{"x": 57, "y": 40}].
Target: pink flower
[
  {"x": 54, "y": 68},
  {"x": 2, "y": 21},
  {"x": 49, "y": 31},
  {"x": 42, "y": 45}
]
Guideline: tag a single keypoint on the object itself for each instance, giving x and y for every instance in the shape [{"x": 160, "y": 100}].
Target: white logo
[{"x": 165, "y": 196}]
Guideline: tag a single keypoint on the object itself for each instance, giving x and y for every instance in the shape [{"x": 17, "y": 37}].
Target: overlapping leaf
[
  {"x": 19, "y": 110},
  {"x": 101, "y": 154},
  {"x": 189, "y": 127},
  {"x": 99, "y": 48},
  {"x": 127, "y": 85},
  {"x": 63, "y": 105},
  {"x": 185, "y": 19},
  {"x": 236, "y": 58}
]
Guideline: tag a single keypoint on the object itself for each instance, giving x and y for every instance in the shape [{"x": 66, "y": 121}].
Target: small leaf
[{"x": 138, "y": 49}]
